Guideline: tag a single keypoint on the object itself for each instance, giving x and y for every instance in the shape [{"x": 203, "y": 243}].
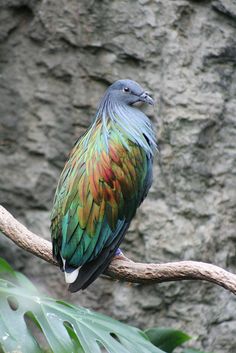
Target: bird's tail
[
  {"x": 90, "y": 271},
  {"x": 71, "y": 273},
  {"x": 70, "y": 277}
]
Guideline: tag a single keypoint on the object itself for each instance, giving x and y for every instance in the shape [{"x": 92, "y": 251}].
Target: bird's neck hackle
[{"x": 128, "y": 122}]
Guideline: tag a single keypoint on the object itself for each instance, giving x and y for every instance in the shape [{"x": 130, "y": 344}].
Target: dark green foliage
[{"x": 166, "y": 338}]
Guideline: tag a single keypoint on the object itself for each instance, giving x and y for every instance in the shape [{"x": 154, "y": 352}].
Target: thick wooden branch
[{"x": 122, "y": 268}]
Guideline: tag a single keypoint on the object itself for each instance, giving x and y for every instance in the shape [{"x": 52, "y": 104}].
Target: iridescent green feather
[{"x": 98, "y": 193}]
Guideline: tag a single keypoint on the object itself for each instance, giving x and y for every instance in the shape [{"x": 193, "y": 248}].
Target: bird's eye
[{"x": 126, "y": 89}]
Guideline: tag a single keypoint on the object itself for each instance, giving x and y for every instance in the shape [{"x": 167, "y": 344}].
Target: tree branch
[{"x": 121, "y": 267}]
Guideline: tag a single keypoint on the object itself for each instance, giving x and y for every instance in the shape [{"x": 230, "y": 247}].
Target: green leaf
[
  {"x": 5, "y": 267},
  {"x": 25, "y": 282},
  {"x": 167, "y": 339},
  {"x": 64, "y": 327}
]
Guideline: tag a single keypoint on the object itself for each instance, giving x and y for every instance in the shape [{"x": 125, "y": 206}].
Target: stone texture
[{"x": 56, "y": 60}]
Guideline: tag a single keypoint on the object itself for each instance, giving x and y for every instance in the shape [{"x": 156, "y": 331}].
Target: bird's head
[
  {"x": 117, "y": 106},
  {"x": 128, "y": 92}
]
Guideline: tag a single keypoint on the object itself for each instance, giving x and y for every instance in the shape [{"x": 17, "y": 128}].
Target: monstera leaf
[{"x": 29, "y": 322}]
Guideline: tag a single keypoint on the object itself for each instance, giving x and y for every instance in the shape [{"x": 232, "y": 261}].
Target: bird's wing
[{"x": 97, "y": 196}]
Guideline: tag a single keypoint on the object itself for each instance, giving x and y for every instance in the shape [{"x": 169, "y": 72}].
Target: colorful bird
[{"x": 107, "y": 176}]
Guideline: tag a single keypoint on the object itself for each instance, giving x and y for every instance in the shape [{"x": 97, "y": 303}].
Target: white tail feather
[{"x": 70, "y": 277}]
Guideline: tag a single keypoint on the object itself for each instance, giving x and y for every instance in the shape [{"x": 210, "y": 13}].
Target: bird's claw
[{"x": 118, "y": 252}]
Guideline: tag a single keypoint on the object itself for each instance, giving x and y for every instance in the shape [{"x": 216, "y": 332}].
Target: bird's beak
[{"x": 144, "y": 97}]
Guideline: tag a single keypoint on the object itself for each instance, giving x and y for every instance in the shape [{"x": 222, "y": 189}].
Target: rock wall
[{"x": 56, "y": 60}]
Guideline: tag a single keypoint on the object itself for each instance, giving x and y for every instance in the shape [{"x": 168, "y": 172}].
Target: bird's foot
[
  {"x": 118, "y": 252},
  {"x": 120, "y": 256}
]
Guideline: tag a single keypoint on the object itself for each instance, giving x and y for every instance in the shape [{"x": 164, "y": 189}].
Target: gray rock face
[{"x": 57, "y": 58}]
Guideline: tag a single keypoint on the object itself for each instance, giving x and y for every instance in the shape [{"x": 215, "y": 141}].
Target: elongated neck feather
[{"x": 128, "y": 122}]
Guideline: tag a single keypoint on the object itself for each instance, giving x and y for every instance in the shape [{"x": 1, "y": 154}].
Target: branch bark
[{"x": 121, "y": 267}]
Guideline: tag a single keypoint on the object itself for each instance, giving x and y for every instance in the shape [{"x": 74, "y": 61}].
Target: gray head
[
  {"x": 131, "y": 123},
  {"x": 127, "y": 92}
]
